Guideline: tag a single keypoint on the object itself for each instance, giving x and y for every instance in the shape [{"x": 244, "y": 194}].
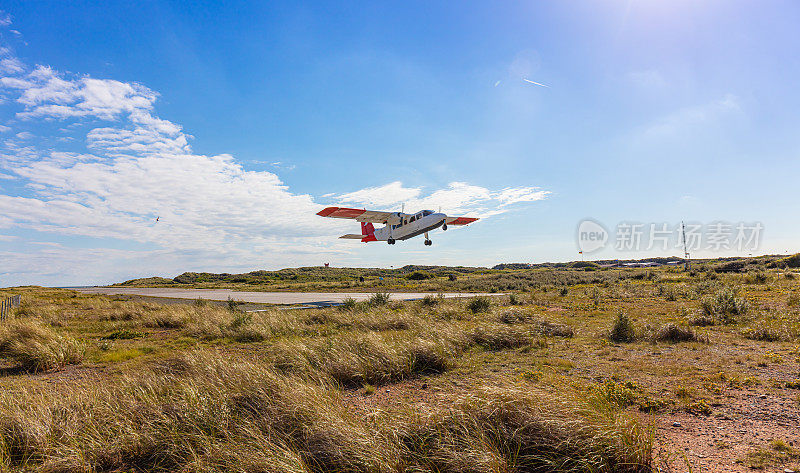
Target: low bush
[
  {"x": 767, "y": 334},
  {"x": 479, "y": 305},
  {"x": 756, "y": 277},
  {"x": 430, "y": 300},
  {"x": 622, "y": 330},
  {"x": 348, "y": 304},
  {"x": 379, "y": 299},
  {"x": 419, "y": 275},
  {"x": 725, "y": 306}
]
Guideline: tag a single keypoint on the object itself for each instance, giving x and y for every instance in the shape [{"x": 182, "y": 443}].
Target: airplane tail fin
[{"x": 368, "y": 230}]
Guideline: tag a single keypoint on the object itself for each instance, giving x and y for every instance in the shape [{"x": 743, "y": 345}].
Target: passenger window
[{"x": 412, "y": 218}]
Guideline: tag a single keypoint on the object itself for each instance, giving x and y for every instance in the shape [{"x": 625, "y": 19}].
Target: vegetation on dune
[
  {"x": 549, "y": 378},
  {"x": 36, "y": 347},
  {"x": 203, "y": 412}
]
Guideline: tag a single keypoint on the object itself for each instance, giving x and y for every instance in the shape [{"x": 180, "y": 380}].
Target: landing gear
[
  {"x": 428, "y": 241},
  {"x": 444, "y": 226},
  {"x": 390, "y": 241}
]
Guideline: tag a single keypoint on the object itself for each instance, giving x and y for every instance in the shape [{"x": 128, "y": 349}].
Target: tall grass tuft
[
  {"x": 675, "y": 333},
  {"x": 36, "y": 347}
]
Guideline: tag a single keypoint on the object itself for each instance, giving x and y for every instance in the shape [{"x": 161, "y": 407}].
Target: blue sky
[{"x": 234, "y": 123}]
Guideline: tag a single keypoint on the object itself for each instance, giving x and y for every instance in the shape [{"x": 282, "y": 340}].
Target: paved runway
[{"x": 311, "y": 298}]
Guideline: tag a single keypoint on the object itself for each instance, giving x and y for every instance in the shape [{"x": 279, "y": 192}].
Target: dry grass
[
  {"x": 674, "y": 333},
  {"x": 37, "y": 347},
  {"x": 206, "y": 413},
  {"x": 421, "y": 386}
]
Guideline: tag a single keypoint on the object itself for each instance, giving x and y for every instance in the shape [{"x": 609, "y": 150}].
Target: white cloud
[
  {"x": 11, "y": 65},
  {"x": 5, "y": 19},
  {"x": 383, "y": 196},
  {"x": 25, "y": 135},
  {"x": 458, "y": 197},
  {"x": 45, "y": 93},
  {"x": 4, "y": 128}
]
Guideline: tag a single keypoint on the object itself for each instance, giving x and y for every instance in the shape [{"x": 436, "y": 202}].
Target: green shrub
[
  {"x": 232, "y": 303},
  {"x": 725, "y": 306},
  {"x": 479, "y": 304},
  {"x": 419, "y": 275},
  {"x": 756, "y": 277},
  {"x": 617, "y": 394},
  {"x": 430, "y": 300},
  {"x": 379, "y": 299},
  {"x": 789, "y": 262},
  {"x": 766, "y": 334},
  {"x": 348, "y": 304},
  {"x": 622, "y": 330}
]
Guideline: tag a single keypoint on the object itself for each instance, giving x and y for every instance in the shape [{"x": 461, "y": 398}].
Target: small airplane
[{"x": 397, "y": 225}]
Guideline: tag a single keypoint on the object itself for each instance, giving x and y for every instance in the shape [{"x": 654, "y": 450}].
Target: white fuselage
[{"x": 410, "y": 225}]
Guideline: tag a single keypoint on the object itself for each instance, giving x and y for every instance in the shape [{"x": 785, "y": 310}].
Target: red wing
[
  {"x": 461, "y": 220},
  {"x": 362, "y": 215},
  {"x": 340, "y": 212}
]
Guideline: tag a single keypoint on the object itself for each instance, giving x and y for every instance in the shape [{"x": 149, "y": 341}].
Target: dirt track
[{"x": 312, "y": 298}]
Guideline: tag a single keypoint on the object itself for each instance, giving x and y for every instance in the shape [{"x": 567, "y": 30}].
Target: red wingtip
[{"x": 327, "y": 211}]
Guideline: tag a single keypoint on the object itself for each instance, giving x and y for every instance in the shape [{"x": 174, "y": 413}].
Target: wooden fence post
[{"x": 8, "y": 303}]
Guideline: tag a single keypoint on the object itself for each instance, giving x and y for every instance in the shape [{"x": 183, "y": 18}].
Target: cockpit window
[{"x": 425, "y": 213}]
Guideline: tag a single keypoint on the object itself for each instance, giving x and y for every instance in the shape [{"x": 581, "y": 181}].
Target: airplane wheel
[
  {"x": 428, "y": 243},
  {"x": 444, "y": 226},
  {"x": 390, "y": 241}
]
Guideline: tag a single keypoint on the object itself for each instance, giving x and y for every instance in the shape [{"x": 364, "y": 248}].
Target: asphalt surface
[{"x": 286, "y": 298}]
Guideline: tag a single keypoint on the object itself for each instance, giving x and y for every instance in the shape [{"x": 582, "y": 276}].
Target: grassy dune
[{"x": 568, "y": 375}]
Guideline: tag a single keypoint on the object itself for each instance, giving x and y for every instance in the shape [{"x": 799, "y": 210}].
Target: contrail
[{"x": 535, "y": 83}]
